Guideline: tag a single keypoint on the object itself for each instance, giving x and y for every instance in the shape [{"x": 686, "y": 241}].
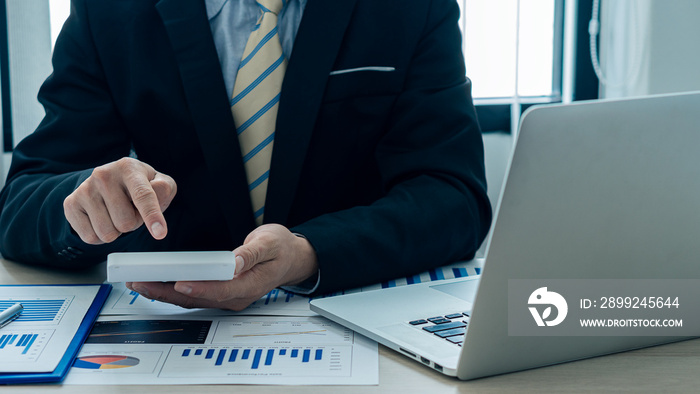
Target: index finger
[{"x": 146, "y": 202}]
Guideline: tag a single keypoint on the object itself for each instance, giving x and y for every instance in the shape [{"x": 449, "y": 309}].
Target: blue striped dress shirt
[{"x": 231, "y": 22}]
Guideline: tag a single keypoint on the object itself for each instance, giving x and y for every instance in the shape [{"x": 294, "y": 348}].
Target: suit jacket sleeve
[
  {"x": 80, "y": 131},
  {"x": 435, "y": 209}
]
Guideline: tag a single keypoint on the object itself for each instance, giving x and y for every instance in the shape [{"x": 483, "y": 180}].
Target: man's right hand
[{"x": 118, "y": 198}]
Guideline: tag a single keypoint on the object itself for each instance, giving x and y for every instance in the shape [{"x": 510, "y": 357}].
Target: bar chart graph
[
  {"x": 279, "y": 302},
  {"x": 287, "y": 347},
  {"x": 458, "y": 270},
  {"x": 277, "y": 295},
  {"x": 23, "y": 346},
  {"x": 51, "y": 325},
  {"x": 267, "y": 350},
  {"x": 48, "y": 310},
  {"x": 288, "y": 361},
  {"x": 135, "y": 296},
  {"x": 275, "y": 302}
]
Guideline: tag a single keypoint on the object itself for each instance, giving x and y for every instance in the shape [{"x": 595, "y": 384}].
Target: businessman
[{"x": 330, "y": 144}]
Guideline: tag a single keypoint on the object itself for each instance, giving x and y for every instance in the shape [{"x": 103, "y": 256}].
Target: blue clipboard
[{"x": 69, "y": 356}]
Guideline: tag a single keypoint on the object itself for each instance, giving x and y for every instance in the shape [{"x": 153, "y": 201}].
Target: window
[
  {"x": 58, "y": 12},
  {"x": 509, "y": 48},
  {"x": 513, "y": 51}
]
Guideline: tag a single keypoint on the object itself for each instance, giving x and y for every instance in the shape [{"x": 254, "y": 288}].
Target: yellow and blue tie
[{"x": 255, "y": 100}]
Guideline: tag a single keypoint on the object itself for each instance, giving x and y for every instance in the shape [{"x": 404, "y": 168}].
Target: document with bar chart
[
  {"x": 277, "y": 302},
  {"x": 38, "y": 340},
  {"x": 224, "y": 350}
]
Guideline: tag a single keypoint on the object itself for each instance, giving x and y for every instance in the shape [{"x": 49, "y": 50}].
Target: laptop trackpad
[{"x": 464, "y": 290}]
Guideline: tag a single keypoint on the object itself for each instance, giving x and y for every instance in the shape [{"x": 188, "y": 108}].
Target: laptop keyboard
[{"x": 450, "y": 327}]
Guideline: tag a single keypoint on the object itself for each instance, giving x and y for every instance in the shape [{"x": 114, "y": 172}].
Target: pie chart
[{"x": 105, "y": 362}]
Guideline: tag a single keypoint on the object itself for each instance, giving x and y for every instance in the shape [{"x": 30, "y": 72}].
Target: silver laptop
[{"x": 605, "y": 189}]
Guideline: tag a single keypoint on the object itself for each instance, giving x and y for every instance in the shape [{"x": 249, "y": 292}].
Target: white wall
[
  {"x": 30, "y": 61},
  {"x": 4, "y": 167},
  {"x": 649, "y": 46},
  {"x": 29, "y": 39}
]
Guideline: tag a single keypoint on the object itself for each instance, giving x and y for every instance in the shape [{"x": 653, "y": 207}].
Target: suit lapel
[
  {"x": 315, "y": 49},
  {"x": 190, "y": 36}
]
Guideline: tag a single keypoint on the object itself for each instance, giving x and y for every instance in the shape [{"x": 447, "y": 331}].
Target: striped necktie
[{"x": 255, "y": 99}]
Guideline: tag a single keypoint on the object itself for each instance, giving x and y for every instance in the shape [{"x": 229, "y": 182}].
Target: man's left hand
[{"x": 271, "y": 256}]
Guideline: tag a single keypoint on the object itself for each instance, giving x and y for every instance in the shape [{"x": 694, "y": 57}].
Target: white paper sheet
[
  {"x": 224, "y": 350},
  {"x": 278, "y": 302},
  {"x": 38, "y": 339}
]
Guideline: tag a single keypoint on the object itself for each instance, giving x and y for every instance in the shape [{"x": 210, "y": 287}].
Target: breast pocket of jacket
[{"x": 347, "y": 83}]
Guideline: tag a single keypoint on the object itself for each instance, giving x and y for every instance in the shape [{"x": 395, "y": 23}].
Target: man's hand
[
  {"x": 118, "y": 198},
  {"x": 270, "y": 256}
]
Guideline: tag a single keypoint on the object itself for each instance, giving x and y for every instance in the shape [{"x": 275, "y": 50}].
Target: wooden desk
[{"x": 668, "y": 368}]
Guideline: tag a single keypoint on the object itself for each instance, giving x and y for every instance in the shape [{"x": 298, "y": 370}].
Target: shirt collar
[{"x": 215, "y": 6}]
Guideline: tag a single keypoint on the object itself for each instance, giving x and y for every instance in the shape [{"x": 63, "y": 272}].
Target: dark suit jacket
[{"x": 382, "y": 171}]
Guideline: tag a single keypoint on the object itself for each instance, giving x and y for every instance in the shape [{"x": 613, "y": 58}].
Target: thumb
[{"x": 255, "y": 250}]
